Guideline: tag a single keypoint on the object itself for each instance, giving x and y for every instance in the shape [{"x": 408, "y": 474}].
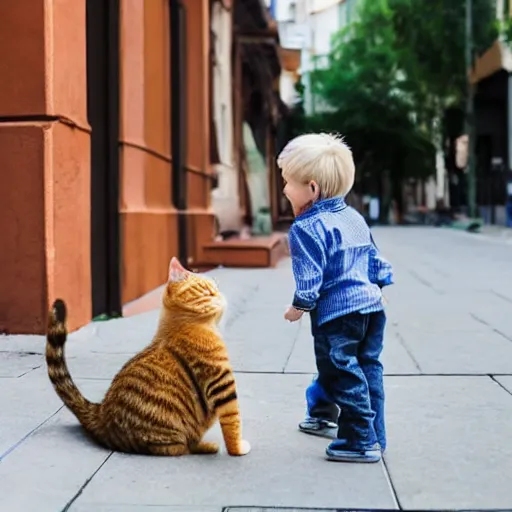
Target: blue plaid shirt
[{"x": 336, "y": 265}]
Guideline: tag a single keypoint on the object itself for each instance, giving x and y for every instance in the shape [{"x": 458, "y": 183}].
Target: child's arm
[
  {"x": 308, "y": 264},
  {"x": 381, "y": 271}
]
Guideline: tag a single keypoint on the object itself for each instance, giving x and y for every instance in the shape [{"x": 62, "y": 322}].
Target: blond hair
[{"x": 320, "y": 157}]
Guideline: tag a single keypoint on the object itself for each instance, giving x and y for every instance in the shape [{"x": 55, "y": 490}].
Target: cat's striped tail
[{"x": 86, "y": 412}]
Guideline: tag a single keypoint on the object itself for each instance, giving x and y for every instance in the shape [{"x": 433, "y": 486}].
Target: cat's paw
[
  {"x": 204, "y": 447},
  {"x": 244, "y": 449}
]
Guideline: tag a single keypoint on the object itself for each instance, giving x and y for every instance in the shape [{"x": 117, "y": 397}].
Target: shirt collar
[{"x": 332, "y": 205}]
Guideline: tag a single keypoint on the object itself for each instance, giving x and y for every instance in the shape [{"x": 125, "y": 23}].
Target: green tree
[
  {"x": 431, "y": 43},
  {"x": 431, "y": 39},
  {"x": 367, "y": 99},
  {"x": 391, "y": 76}
]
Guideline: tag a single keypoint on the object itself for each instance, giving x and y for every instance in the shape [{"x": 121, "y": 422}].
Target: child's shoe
[
  {"x": 319, "y": 427},
  {"x": 341, "y": 451}
]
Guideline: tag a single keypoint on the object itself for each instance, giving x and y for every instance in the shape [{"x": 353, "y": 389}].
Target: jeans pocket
[{"x": 351, "y": 326}]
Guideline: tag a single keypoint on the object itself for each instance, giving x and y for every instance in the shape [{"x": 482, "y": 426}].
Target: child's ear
[{"x": 315, "y": 190}]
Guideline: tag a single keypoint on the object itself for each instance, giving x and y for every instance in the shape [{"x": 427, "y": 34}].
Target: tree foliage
[
  {"x": 390, "y": 77},
  {"x": 432, "y": 37}
]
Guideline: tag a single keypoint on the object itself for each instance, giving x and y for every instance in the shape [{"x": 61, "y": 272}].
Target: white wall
[
  {"x": 324, "y": 24},
  {"x": 309, "y": 25},
  {"x": 287, "y": 88},
  {"x": 257, "y": 173},
  {"x": 225, "y": 198},
  {"x": 291, "y": 17}
]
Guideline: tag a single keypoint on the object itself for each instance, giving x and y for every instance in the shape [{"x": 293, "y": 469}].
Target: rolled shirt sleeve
[
  {"x": 380, "y": 270},
  {"x": 308, "y": 265}
]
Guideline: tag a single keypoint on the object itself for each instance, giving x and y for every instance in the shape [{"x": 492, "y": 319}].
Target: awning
[{"x": 498, "y": 57}]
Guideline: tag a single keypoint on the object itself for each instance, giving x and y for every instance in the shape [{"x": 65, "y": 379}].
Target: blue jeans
[{"x": 350, "y": 375}]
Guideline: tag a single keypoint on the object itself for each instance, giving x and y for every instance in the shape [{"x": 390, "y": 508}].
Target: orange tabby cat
[{"x": 166, "y": 397}]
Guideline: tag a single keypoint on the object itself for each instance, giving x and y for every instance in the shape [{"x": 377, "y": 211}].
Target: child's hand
[{"x": 292, "y": 314}]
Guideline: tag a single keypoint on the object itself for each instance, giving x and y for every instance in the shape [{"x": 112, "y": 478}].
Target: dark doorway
[
  {"x": 178, "y": 82},
  {"x": 103, "y": 114}
]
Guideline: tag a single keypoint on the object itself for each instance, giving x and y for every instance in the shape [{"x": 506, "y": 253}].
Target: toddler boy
[{"x": 338, "y": 275}]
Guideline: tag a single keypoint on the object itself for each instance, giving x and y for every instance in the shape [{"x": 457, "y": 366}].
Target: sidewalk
[
  {"x": 448, "y": 364},
  {"x": 499, "y": 232}
]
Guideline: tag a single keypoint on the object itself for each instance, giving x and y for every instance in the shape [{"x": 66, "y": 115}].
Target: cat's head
[{"x": 192, "y": 295}]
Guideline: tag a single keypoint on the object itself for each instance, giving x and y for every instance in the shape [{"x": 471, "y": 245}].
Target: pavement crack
[
  {"x": 492, "y": 328},
  {"x": 130, "y": 354},
  {"x": 394, "y": 375},
  {"x": 391, "y": 484},
  {"x": 402, "y": 342},
  {"x": 435, "y": 269},
  {"x": 22, "y": 353},
  {"x": 240, "y": 308},
  {"x": 295, "y": 338},
  {"x": 28, "y": 371},
  {"x": 269, "y": 372},
  {"x": 493, "y": 378},
  {"x": 425, "y": 282},
  {"x": 86, "y": 483},
  {"x": 450, "y": 374},
  {"x": 501, "y": 296},
  {"x": 95, "y": 378},
  {"x": 479, "y": 320},
  {"x": 25, "y": 437}
]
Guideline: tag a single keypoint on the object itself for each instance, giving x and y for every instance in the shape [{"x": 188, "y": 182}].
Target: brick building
[{"x": 109, "y": 147}]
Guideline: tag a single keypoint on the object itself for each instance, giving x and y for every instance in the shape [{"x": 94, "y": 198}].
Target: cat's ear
[{"x": 176, "y": 271}]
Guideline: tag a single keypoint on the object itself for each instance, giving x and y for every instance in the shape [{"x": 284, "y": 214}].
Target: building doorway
[{"x": 103, "y": 114}]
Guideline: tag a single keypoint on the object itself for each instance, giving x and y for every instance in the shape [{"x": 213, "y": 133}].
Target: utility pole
[{"x": 470, "y": 113}]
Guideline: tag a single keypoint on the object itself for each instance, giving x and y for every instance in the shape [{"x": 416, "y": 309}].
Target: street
[{"x": 448, "y": 366}]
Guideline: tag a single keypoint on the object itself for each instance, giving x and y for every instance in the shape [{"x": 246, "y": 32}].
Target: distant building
[
  {"x": 308, "y": 26},
  {"x": 493, "y": 126}
]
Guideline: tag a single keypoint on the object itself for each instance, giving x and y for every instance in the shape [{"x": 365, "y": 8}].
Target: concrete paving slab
[
  {"x": 434, "y": 318},
  {"x": 448, "y": 443},
  {"x": 25, "y": 402},
  {"x": 78, "y": 506},
  {"x": 395, "y": 357},
  {"x": 505, "y": 381},
  {"x": 16, "y": 364},
  {"x": 239, "y": 286},
  {"x": 497, "y": 318},
  {"x": 287, "y": 509},
  {"x": 458, "y": 352},
  {"x": 25, "y": 343},
  {"x": 46, "y": 471},
  {"x": 302, "y": 358},
  {"x": 448, "y": 435},
  {"x": 278, "y": 472},
  {"x": 253, "y": 346},
  {"x": 129, "y": 335},
  {"x": 88, "y": 365},
  {"x": 120, "y": 335},
  {"x": 261, "y": 343}
]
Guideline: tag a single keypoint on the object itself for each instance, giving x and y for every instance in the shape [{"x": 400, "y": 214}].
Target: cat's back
[
  {"x": 170, "y": 377},
  {"x": 196, "y": 345}
]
